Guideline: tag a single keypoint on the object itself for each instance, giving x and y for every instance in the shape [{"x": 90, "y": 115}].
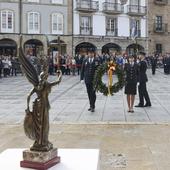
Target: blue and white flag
[{"x": 133, "y": 29}]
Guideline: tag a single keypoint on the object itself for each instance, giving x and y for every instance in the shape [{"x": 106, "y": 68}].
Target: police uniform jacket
[
  {"x": 88, "y": 70},
  {"x": 142, "y": 77},
  {"x": 131, "y": 73}
]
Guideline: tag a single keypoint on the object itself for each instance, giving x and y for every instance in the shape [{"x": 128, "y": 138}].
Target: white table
[{"x": 71, "y": 159}]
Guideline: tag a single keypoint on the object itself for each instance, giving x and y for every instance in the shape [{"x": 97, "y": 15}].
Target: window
[
  {"x": 33, "y": 0},
  {"x": 111, "y": 27},
  {"x": 135, "y": 28},
  {"x": 57, "y": 23},
  {"x": 57, "y": 1},
  {"x": 85, "y": 27},
  {"x": 33, "y": 22},
  {"x": 159, "y": 48},
  {"x": 7, "y": 19},
  {"x": 159, "y": 23}
]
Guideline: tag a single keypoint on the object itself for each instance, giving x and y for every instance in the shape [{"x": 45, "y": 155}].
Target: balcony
[
  {"x": 112, "y": 8},
  {"x": 110, "y": 32},
  {"x": 137, "y": 33},
  {"x": 87, "y": 6},
  {"x": 136, "y": 10},
  {"x": 161, "y": 2},
  {"x": 86, "y": 30},
  {"x": 160, "y": 28}
]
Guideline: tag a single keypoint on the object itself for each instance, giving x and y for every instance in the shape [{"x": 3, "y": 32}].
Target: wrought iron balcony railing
[
  {"x": 110, "y": 32},
  {"x": 86, "y": 30},
  {"x": 136, "y": 10},
  {"x": 87, "y": 6},
  {"x": 161, "y": 2},
  {"x": 112, "y": 8},
  {"x": 160, "y": 27}
]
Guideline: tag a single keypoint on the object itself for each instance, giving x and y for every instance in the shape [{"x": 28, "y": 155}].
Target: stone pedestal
[
  {"x": 40, "y": 160},
  {"x": 71, "y": 159}
]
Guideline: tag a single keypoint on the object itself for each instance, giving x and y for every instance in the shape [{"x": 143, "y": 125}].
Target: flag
[{"x": 133, "y": 29}]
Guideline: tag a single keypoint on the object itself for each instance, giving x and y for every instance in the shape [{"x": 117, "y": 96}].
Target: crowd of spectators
[{"x": 10, "y": 66}]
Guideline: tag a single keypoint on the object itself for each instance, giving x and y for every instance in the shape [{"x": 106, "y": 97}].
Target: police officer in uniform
[
  {"x": 88, "y": 69},
  {"x": 131, "y": 70},
  {"x": 142, "y": 79}
]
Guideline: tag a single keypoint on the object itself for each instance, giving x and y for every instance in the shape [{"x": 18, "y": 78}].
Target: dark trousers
[
  {"x": 6, "y": 72},
  {"x": 0, "y": 72},
  {"x": 14, "y": 71},
  {"x": 91, "y": 94},
  {"x": 153, "y": 69},
  {"x": 143, "y": 94}
]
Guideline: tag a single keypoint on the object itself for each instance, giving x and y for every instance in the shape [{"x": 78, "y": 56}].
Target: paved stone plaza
[
  {"x": 138, "y": 141},
  {"x": 69, "y": 102}
]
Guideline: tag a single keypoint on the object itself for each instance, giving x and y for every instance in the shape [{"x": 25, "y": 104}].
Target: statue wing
[{"x": 28, "y": 69}]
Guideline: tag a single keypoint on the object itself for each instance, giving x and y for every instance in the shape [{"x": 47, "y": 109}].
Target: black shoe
[
  {"x": 90, "y": 109},
  {"x": 147, "y": 105},
  {"x": 139, "y": 105}
]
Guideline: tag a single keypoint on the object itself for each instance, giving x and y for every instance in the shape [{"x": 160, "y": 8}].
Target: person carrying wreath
[
  {"x": 131, "y": 71},
  {"x": 88, "y": 69}
]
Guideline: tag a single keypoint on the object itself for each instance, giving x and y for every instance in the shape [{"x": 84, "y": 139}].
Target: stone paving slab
[
  {"x": 143, "y": 147},
  {"x": 69, "y": 102}
]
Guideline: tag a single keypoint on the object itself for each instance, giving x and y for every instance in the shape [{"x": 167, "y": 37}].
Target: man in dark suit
[
  {"x": 153, "y": 64},
  {"x": 88, "y": 69},
  {"x": 142, "y": 79},
  {"x": 79, "y": 61}
]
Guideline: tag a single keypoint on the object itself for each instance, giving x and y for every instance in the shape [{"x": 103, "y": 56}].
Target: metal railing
[
  {"x": 86, "y": 30},
  {"x": 161, "y": 2},
  {"x": 82, "y": 5},
  {"x": 110, "y": 32},
  {"x": 160, "y": 27},
  {"x": 112, "y": 7},
  {"x": 136, "y": 10}
]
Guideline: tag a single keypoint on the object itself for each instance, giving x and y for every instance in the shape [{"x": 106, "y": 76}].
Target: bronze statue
[{"x": 36, "y": 123}]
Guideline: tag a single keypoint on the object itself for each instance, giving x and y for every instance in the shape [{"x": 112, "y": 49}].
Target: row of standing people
[
  {"x": 135, "y": 72},
  {"x": 9, "y": 66},
  {"x": 160, "y": 61}
]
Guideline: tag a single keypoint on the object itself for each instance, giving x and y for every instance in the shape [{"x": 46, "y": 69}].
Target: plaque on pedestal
[{"x": 40, "y": 160}]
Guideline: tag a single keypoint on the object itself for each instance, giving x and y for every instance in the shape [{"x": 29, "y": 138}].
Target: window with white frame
[
  {"x": 111, "y": 27},
  {"x": 33, "y": 0},
  {"x": 33, "y": 22},
  {"x": 57, "y": 1},
  {"x": 86, "y": 25},
  {"x": 7, "y": 21},
  {"x": 57, "y": 23}
]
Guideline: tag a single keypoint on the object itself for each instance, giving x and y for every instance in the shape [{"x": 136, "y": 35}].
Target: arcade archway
[
  {"x": 8, "y": 47},
  {"x": 134, "y": 48},
  {"x": 84, "y": 47},
  {"x": 111, "y": 48},
  {"x": 33, "y": 47},
  {"x": 56, "y": 46}
]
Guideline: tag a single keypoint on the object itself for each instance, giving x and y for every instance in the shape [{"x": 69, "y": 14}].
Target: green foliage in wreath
[{"x": 103, "y": 88}]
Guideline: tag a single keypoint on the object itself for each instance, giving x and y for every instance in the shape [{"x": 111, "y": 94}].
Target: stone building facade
[
  {"x": 107, "y": 26},
  {"x": 46, "y": 26},
  {"x": 158, "y": 26}
]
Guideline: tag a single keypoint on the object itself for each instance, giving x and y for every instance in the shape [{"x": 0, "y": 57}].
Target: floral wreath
[{"x": 110, "y": 68}]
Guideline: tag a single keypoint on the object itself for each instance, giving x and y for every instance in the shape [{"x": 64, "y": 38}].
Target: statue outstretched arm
[
  {"x": 59, "y": 79},
  {"x": 28, "y": 98}
]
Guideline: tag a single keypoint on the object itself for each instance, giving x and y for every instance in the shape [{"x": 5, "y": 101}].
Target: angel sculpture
[{"x": 36, "y": 123}]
